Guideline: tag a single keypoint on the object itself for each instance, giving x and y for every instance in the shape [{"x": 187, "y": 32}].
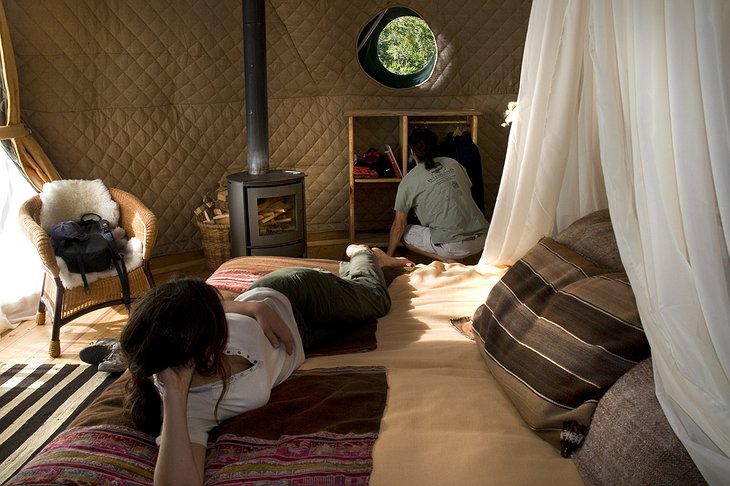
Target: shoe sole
[
  {"x": 112, "y": 368},
  {"x": 95, "y": 354}
]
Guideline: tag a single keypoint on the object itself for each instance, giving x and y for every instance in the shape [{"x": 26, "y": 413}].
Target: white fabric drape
[
  {"x": 22, "y": 274},
  {"x": 552, "y": 157},
  {"x": 663, "y": 105},
  {"x": 656, "y": 75}
]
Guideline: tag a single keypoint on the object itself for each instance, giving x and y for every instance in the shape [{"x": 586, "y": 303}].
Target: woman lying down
[{"x": 205, "y": 360}]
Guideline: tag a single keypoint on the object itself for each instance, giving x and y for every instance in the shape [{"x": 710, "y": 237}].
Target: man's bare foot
[{"x": 384, "y": 260}]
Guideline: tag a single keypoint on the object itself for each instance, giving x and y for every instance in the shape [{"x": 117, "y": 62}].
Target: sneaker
[
  {"x": 114, "y": 362},
  {"x": 97, "y": 352}
]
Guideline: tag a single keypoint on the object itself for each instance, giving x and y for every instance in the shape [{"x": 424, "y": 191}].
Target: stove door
[{"x": 275, "y": 215}]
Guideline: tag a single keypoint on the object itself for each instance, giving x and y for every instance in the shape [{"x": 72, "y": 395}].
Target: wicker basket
[{"x": 216, "y": 243}]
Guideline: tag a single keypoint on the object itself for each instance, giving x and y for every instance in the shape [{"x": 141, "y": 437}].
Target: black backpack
[{"x": 88, "y": 246}]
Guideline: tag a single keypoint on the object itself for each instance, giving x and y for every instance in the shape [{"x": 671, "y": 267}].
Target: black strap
[
  {"x": 82, "y": 269},
  {"x": 123, "y": 279},
  {"x": 116, "y": 259}
]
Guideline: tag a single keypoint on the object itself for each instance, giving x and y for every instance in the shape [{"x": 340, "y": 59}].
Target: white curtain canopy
[
  {"x": 625, "y": 105},
  {"x": 552, "y": 173}
]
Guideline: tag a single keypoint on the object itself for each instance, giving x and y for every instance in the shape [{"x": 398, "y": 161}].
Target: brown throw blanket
[{"x": 319, "y": 427}]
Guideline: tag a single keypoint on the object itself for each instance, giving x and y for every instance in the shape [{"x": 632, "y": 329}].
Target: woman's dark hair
[
  {"x": 423, "y": 143},
  {"x": 171, "y": 325}
]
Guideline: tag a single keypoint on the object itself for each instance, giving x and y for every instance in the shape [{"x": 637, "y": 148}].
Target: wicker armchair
[{"x": 68, "y": 304}]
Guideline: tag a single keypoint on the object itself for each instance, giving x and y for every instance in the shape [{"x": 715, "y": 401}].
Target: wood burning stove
[
  {"x": 266, "y": 207},
  {"x": 267, "y": 213}
]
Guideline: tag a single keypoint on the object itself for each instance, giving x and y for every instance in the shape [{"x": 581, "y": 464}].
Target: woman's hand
[
  {"x": 177, "y": 383},
  {"x": 275, "y": 328},
  {"x": 177, "y": 379},
  {"x": 271, "y": 323}
]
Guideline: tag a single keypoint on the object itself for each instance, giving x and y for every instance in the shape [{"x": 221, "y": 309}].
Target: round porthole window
[{"x": 397, "y": 48}]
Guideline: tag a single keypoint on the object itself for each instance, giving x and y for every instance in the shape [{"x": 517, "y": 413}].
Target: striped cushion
[{"x": 556, "y": 332}]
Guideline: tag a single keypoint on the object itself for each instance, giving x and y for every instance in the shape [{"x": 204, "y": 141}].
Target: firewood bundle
[
  {"x": 214, "y": 209},
  {"x": 275, "y": 214}
]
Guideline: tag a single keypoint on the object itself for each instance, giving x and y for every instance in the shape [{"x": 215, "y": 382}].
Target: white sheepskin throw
[{"x": 68, "y": 200}]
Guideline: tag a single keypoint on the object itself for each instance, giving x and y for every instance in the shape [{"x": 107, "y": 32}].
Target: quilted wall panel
[{"x": 148, "y": 95}]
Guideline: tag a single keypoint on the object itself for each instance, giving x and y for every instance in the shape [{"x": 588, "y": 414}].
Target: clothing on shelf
[{"x": 459, "y": 146}]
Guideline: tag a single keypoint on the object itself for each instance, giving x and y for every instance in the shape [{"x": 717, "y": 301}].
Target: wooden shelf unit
[{"x": 440, "y": 121}]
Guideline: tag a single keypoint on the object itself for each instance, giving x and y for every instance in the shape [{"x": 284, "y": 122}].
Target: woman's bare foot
[
  {"x": 352, "y": 249},
  {"x": 384, "y": 260}
]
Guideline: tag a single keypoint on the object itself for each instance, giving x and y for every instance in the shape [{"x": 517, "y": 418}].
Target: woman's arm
[
  {"x": 179, "y": 461},
  {"x": 396, "y": 231},
  {"x": 270, "y": 321}
]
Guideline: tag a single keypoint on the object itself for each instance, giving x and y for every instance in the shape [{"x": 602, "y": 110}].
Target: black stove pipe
[{"x": 257, "y": 110}]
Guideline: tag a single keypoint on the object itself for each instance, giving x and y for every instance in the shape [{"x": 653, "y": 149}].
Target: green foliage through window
[{"x": 406, "y": 45}]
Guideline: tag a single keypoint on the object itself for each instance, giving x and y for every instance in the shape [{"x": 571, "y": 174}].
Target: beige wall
[{"x": 148, "y": 95}]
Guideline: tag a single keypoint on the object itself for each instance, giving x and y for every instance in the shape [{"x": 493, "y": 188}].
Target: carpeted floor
[{"x": 37, "y": 402}]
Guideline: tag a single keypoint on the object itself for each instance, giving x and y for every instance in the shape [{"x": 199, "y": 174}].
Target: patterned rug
[
  {"x": 37, "y": 402},
  {"x": 319, "y": 427}
]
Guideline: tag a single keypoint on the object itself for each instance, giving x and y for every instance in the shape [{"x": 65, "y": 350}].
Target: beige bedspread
[{"x": 447, "y": 422}]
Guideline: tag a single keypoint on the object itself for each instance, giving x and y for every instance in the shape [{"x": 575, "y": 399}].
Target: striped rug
[{"x": 37, "y": 402}]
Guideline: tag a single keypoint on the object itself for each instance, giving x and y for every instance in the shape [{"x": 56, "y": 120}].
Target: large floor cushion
[
  {"x": 631, "y": 441},
  {"x": 556, "y": 332}
]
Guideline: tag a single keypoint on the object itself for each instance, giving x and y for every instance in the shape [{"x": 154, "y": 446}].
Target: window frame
[{"x": 368, "y": 51}]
